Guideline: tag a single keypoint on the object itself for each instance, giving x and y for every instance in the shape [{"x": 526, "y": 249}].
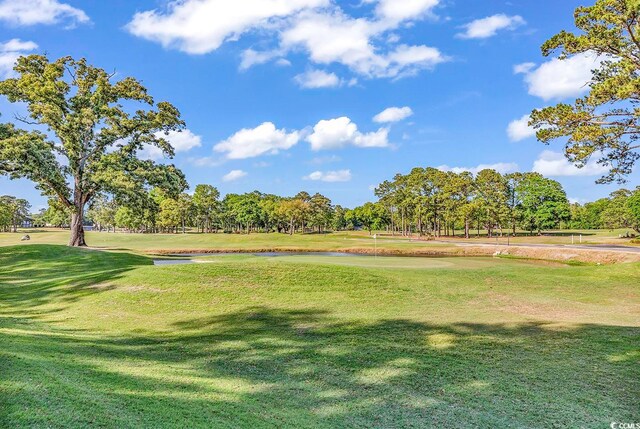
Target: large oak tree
[{"x": 85, "y": 131}]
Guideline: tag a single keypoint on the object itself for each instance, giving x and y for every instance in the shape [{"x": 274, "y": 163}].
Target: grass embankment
[
  {"x": 95, "y": 339},
  {"x": 352, "y": 242}
]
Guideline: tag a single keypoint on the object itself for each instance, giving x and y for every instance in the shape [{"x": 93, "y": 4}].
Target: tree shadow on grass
[
  {"x": 57, "y": 272},
  {"x": 270, "y": 367}
]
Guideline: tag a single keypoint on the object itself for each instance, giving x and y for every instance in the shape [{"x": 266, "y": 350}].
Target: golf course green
[{"x": 92, "y": 338}]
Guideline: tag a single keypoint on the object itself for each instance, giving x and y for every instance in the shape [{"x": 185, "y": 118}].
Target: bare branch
[{"x": 24, "y": 120}]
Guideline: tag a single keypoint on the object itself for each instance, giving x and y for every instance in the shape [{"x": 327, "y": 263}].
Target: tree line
[{"x": 426, "y": 202}]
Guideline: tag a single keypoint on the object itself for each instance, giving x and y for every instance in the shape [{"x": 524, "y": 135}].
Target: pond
[{"x": 352, "y": 259}]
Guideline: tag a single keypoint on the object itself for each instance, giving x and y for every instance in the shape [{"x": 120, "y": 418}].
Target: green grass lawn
[
  {"x": 100, "y": 339},
  {"x": 329, "y": 242},
  {"x": 190, "y": 241}
]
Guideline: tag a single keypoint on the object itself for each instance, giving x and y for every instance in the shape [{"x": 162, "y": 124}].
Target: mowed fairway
[
  {"x": 99, "y": 339},
  {"x": 327, "y": 242}
]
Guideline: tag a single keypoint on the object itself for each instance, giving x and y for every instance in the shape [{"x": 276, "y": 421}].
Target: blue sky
[{"x": 281, "y": 95}]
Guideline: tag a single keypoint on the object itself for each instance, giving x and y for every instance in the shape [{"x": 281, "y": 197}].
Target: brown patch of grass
[{"x": 546, "y": 311}]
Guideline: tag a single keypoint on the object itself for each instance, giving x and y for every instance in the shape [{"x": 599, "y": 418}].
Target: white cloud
[
  {"x": 500, "y": 167},
  {"x": 9, "y": 53},
  {"x": 393, "y": 114},
  {"x": 407, "y": 60},
  {"x": 558, "y": 79},
  {"x": 319, "y": 160},
  {"x": 252, "y": 142},
  {"x": 330, "y": 176},
  {"x": 340, "y": 132},
  {"x": 489, "y": 26},
  {"x": 32, "y": 12},
  {"x": 318, "y": 27},
  {"x": 182, "y": 141},
  {"x": 523, "y": 68},
  {"x": 250, "y": 58},
  {"x": 15, "y": 45},
  {"x": 333, "y": 37},
  {"x": 580, "y": 201},
  {"x": 398, "y": 11},
  {"x": 234, "y": 175},
  {"x": 551, "y": 163},
  {"x": 313, "y": 79},
  {"x": 201, "y": 26},
  {"x": 519, "y": 129},
  {"x": 283, "y": 62},
  {"x": 206, "y": 161}
]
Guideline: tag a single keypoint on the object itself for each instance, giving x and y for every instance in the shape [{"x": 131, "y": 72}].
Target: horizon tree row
[
  {"x": 426, "y": 202},
  {"x": 434, "y": 202}
]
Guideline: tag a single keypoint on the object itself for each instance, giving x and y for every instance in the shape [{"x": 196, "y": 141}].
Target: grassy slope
[{"x": 106, "y": 340}]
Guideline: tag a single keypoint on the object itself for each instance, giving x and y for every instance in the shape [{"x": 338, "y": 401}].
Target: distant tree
[
  {"x": 128, "y": 218},
  {"x": 543, "y": 202},
  {"x": 272, "y": 218},
  {"x": 294, "y": 210},
  {"x": 514, "y": 198},
  {"x": 98, "y": 139},
  {"x": 244, "y": 210},
  {"x": 372, "y": 216},
  {"x": 17, "y": 208},
  {"x": 577, "y": 216},
  {"x": 305, "y": 208},
  {"x": 593, "y": 213},
  {"x": 206, "y": 206},
  {"x": 6, "y": 215},
  {"x": 321, "y": 211},
  {"x": 459, "y": 190},
  {"x": 604, "y": 123},
  {"x": 103, "y": 212},
  {"x": 170, "y": 216},
  {"x": 338, "y": 220},
  {"x": 185, "y": 202},
  {"x": 57, "y": 214},
  {"x": 388, "y": 197},
  {"x": 617, "y": 213},
  {"x": 633, "y": 205},
  {"x": 492, "y": 197}
]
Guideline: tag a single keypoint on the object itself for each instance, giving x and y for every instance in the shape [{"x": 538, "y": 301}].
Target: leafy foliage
[
  {"x": 82, "y": 109},
  {"x": 606, "y": 122}
]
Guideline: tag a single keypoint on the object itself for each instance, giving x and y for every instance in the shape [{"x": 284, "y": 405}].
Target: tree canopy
[
  {"x": 605, "y": 123},
  {"x": 82, "y": 140}
]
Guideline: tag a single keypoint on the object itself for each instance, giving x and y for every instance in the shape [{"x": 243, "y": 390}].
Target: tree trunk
[
  {"x": 77, "y": 230},
  {"x": 393, "y": 231}
]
